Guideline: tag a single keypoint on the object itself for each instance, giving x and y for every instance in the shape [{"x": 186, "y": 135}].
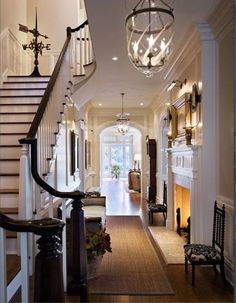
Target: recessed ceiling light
[
  {"x": 141, "y": 103},
  {"x": 100, "y": 104},
  {"x": 114, "y": 58}
]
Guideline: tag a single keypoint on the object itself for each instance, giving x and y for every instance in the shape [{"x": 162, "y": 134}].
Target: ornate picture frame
[{"x": 181, "y": 116}]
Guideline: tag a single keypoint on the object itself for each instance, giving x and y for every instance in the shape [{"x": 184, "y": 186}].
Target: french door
[{"x": 119, "y": 154}]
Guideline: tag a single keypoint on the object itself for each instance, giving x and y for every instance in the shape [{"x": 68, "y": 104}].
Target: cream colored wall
[
  {"x": 12, "y": 13},
  {"x": 226, "y": 117}
]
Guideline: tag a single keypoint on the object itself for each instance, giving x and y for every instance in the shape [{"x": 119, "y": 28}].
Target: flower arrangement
[
  {"x": 115, "y": 171},
  {"x": 97, "y": 243}
]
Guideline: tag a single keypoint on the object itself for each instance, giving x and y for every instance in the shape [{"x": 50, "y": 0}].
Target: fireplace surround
[{"x": 183, "y": 179}]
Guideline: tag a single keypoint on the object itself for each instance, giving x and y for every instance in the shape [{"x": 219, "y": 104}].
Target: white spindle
[
  {"x": 81, "y": 52},
  {"x": 24, "y": 267},
  {"x": 50, "y": 206},
  {"x": 3, "y": 271}
]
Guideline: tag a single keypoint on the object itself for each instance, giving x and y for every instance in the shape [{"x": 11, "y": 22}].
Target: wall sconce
[
  {"x": 176, "y": 83},
  {"x": 169, "y": 142},
  {"x": 188, "y": 134}
]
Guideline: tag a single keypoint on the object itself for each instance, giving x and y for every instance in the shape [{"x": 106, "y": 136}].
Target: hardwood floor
[{"x": 209, "y": 285}]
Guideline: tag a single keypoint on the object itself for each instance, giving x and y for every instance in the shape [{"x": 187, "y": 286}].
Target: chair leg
[
  {"x": 193, "y": 274},
  {"x": 186, "y": 264},
  {"x": 164, "y": 215},
  {"x": 222, "y": 271},
  {"x": 150, "y": 216}
]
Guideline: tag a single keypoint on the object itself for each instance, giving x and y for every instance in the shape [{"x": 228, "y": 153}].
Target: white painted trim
[{"x": 3, "y": 275}]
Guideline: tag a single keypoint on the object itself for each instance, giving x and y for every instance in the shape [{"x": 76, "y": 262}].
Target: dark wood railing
[
  {"x": 48, "y": 278},
  {"x": 77, "y": 282}
]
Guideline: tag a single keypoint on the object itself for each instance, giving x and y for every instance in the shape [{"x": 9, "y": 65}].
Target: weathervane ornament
[{"x": 34, "y": 45}]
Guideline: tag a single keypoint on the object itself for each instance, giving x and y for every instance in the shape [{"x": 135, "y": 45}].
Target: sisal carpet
[
  {"x": 133, "y": 267},
  {"x": 170, "y": 243}
]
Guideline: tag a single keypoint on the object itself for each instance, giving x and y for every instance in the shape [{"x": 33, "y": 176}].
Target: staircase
[{"x": 20, "y": 97}]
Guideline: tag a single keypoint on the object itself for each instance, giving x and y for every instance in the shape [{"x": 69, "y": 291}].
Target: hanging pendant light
[
  {"x": 123, "y": 120},
  {"x": 149, "y": 30}
]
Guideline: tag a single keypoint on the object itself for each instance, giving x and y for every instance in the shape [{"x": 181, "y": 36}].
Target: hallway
[{"x": 209, "y": 285}]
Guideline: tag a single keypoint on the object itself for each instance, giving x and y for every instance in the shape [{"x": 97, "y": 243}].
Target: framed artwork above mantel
[{"x": 181, "y": 116}]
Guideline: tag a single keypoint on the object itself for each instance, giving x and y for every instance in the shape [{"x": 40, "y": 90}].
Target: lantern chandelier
[
  {"x": 123, "y": 120},
  {"x": 149, "y": 30}
]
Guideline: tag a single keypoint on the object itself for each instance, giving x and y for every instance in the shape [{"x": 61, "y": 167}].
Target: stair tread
[
  {"x": 10, "y": 159},
  {"x": 12, "y": 134},
  {"x": 9, "y": 175},
  {"x": 13, "y": 267},
  {"x": 22, "y": 88},
  {"x": 9, "y": 210},
  {"x": 11, "y": 234},
  {"x": 22, "y": 96},
  {"x": 24, "y": 82},
  {"x": 15, "y": 122},
  {"x": 19, "y": 104},
  {"x": 10, "y": 145},
  {"x": 17, "y": 113}
]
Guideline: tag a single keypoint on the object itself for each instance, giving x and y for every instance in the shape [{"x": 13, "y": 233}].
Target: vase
[{"x": 93, "y": 266}]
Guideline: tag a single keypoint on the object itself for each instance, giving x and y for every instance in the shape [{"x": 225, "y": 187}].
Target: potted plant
[
  {"x": 97, "y": 244},
  {"x": 115, "y": 171}
]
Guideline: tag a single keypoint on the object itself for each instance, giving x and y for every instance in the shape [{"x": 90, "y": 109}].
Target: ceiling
[{"x": 107, "y": 27}]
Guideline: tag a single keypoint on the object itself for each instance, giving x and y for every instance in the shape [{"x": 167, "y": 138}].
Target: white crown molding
[{"x": 221, "y": 18}]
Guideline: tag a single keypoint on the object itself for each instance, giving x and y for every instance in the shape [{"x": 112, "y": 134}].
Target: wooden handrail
[
  {"x": 43, "y": 104},
  {"x": 38, "y": 227}
]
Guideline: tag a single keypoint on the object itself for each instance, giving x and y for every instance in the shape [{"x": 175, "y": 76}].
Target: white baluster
[
  {"x": 3, "y": 270},
  {"x": 24, "y": 267}
]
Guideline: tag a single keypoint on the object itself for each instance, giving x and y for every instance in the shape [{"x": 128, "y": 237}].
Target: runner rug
[{"x": 133, "y": 267}]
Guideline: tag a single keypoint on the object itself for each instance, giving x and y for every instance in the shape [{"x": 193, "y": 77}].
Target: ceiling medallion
[{"x": 149, "y": 30}]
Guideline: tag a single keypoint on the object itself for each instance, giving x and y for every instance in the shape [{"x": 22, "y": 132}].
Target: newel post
[
  {"x": 48, "y": 284},
  {"x": 77, "y": 267}
]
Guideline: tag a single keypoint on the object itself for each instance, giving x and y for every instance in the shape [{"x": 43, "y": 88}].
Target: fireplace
[{"x": 183, "y": 188}]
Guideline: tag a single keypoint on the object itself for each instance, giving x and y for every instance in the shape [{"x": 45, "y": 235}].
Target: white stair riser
[
  {"x": 18, "y": 108},
  {"x": 11, "y": 244},
  {"x": 14, "y": 128},
  {"x": 10, "y": 152},
  {"x": 17, "y": 118},
  {"x": 21, "y": 99},
  {"x": 24, "y": 85},
  {"x": 10, "y": 167},
  {"x": 9, "y": 182},
  {"x": 24, "y": 92},
  {"x": 9, "y": 200},
  {"x": 10, "y": 139},
  {"x": 27, "y": 79}
]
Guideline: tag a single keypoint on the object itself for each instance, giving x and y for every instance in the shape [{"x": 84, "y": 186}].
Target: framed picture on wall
[
  {"x": 181, "y": 115},
  {"x": 74, "y": 146}
]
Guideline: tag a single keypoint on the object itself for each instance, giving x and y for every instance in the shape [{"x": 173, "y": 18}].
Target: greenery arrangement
[
  {"x": 97, "y": 243},
  {"x": 115, "y": 170}
]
